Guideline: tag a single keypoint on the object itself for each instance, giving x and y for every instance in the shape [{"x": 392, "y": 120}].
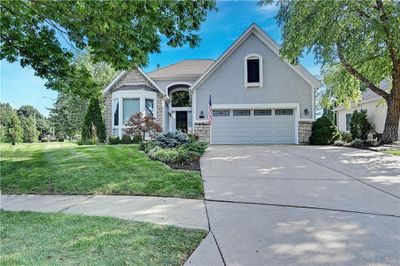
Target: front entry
[{"x": 181, "y": 121}]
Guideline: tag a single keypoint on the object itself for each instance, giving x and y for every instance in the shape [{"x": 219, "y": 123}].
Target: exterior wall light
[
  {"x": 201, "y": 114},
  {"x": 306, "y": 112}
]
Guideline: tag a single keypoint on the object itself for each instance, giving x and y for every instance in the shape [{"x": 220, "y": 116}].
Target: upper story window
[
  {"x": 181, "y": 99},
  {"x": 253, "y": 68}
]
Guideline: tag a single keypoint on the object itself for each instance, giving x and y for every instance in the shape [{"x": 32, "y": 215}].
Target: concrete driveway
[{"x": 294, "y": 205}]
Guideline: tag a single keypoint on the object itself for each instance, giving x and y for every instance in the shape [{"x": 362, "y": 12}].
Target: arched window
[
  {"x": 181, "y": 99},
  {"x": 253, "y": 70}
]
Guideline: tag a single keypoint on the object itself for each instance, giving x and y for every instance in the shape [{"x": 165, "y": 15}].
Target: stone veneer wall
[
  {"x": 202, "y": 129},
  {"x": 132, "y": 76},
  {"x": 305, "y": 131}
]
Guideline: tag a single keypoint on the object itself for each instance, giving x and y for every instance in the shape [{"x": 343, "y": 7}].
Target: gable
[
  {"x": 252, "y": 31},
  {"x": 133, "y": 78}
]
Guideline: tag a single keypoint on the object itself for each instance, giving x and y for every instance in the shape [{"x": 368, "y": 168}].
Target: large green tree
[
  {"x": 46, "y": 34},
  {"x": 357, "y": 42},
  {"x": 41, "y": 122},
  {"x": 67, "y": 115},
  {"x": 30, "y": 133},
  {"x": 93, "y": 123}
]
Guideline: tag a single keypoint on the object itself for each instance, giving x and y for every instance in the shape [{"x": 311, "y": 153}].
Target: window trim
[
  {"x": 347, "y": 126},
  {"x": 225, "y": 111},
  {"x": 268, "y": 112},
  {"x": 261, "y": 71},
  {"x": 241, "y": 110}
]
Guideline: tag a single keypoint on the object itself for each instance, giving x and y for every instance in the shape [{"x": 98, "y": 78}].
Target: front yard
[
  {"x": 52, "y": 239},
  {"x": 67, "y": 168}
]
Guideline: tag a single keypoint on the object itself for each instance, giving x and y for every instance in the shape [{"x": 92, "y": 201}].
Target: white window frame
[
  {"x": 142, "y": 95},
  {"x": 261, "y": 72}
]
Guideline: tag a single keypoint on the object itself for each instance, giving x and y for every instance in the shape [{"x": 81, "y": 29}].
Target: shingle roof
[
  {"x": 369, "y": 95},
  {"x": 189, "y": 68}
]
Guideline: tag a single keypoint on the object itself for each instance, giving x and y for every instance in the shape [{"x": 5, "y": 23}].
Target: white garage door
[{"x": 267, "y": 126}]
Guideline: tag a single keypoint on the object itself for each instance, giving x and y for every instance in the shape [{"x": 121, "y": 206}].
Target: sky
[{"x": 19, "y": 86}]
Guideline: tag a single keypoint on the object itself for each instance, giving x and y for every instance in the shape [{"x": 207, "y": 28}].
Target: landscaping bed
[
  {"x": 68, "y": 168},
  {"x": 178, "y": 150},
  {"x": 52, "y": 239}
]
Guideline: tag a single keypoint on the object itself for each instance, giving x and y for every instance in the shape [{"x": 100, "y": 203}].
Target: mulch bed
[{"x": 192, "y": 166}]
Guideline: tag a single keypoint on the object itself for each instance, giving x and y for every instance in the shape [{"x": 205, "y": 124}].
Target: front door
[{"x": 181, "y": 121}]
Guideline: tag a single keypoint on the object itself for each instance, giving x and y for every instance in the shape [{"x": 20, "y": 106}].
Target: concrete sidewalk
[{"x": 168, "y": 211}]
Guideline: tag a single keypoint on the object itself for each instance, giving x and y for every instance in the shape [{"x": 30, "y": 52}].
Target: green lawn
[
  {"x": 67, "y": 168},
  {"x": 29, "y": 238},
  {"x": 394, "y": 152}
]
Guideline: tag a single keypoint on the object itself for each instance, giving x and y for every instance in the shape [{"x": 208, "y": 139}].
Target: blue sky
[{"x": 19, "y": 86}]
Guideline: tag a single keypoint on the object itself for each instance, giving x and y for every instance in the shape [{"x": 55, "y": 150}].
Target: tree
[
  {"x": 67, "y": 115},
  {"x": 30, "y": 133},
  {"x": 358, "y": 44},
  {"x": 93, "y": 122},
  {"x": 14, "y": 130},
  {"x": 40, "y": 122},
  {"x": 121, "y": 33},
  {"x": 139, "y": 125}
]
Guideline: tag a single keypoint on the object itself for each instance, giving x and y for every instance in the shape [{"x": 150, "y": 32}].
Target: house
[
  {"x": 376, "y": 109},
  {"x": 256, "y": 96}
]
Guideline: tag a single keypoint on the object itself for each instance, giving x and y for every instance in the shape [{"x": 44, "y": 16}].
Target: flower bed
[{"x": 178, "y": 150}]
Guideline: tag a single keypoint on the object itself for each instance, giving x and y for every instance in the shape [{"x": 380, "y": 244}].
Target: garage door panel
[{"x": 274, "y": 129}]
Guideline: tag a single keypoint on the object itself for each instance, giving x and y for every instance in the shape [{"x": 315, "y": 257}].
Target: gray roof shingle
[{"x": 182, "y": 68}]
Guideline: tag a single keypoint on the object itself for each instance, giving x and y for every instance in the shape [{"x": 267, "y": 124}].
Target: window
[
  {"x": 253, "y": 68},
  {"x": 284, "y": 112},
  {"x": 348, "y": 121},
  {"x": 149, "y": 107},
  {"x": 181, "y": 99},
  {"x": 130, "y": 107},
  {"x": 221, "y": 113},
  {"x": 262, "y": 112},
  {"x": 115, "y": 108},
  {"x": 241, "y": 112}
]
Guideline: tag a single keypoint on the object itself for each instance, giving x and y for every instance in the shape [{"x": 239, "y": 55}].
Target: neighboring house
[
  {"x": 256, "y": 96},
  {"x": 376, "y": 109}
]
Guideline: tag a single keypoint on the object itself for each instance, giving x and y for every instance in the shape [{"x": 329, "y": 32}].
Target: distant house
[
  {"x": 376, "y": 109},
  {"x": 256, "y": 96}
]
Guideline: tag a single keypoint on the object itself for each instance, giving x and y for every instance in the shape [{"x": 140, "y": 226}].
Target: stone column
[
  {"x": 203, "y": 130},
  {"x": 305, "y": 131}
]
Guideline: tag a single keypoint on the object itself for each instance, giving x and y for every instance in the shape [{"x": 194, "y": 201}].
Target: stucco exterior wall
[
  {"x": 280, "y": 83},
  {"x": 376, "y": 112}
]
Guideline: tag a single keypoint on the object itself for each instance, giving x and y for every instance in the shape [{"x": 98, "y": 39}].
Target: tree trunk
[{"x": 390, "y": 133}]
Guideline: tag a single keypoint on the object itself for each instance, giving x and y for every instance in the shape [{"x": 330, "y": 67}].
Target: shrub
[
  {"x": 186, "y": 156},
  {"x": 324, "y": 132},
  {"x": 372, "y": 142},
  {"x": 137, "y": 139},
  {"x": 359, "y": 124},
  {"x": 196, "y": 146},
  {"x": 146, "y": 146},
  {"x": 164, "y": 155},
  {"x": 113, "y": 140},
  {"x": 140, "y": 125},
  {"x": 346, "y": 137},
  {"x": 193, "y": 137},
  {"x": 339, "y": 143},
  {"x": 126, "y": 139},
  {"x": 171, "y": 140},
  {"x": 357, "y": 143},
  {"x": 45, "y": 139}
]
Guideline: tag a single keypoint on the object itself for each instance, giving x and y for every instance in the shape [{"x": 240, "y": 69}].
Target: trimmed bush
[
  {"x": 171, "y": 140},
  {"x": 146, "y": 146},
  {"x": 126, "y": 139},
  {"x": 359, "y": 124},
  {"x": 324, "y": 132},
  {"x": 196, "y": 146},
  {"x": 346, "y": 137},
  {"x": 358, "y": 143},
  {"x": 93, "y": 124},
  {"x": 163, "y": 155},
  {"x": 113, "y": 140},
  {"x": 137, "y": 139}
]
